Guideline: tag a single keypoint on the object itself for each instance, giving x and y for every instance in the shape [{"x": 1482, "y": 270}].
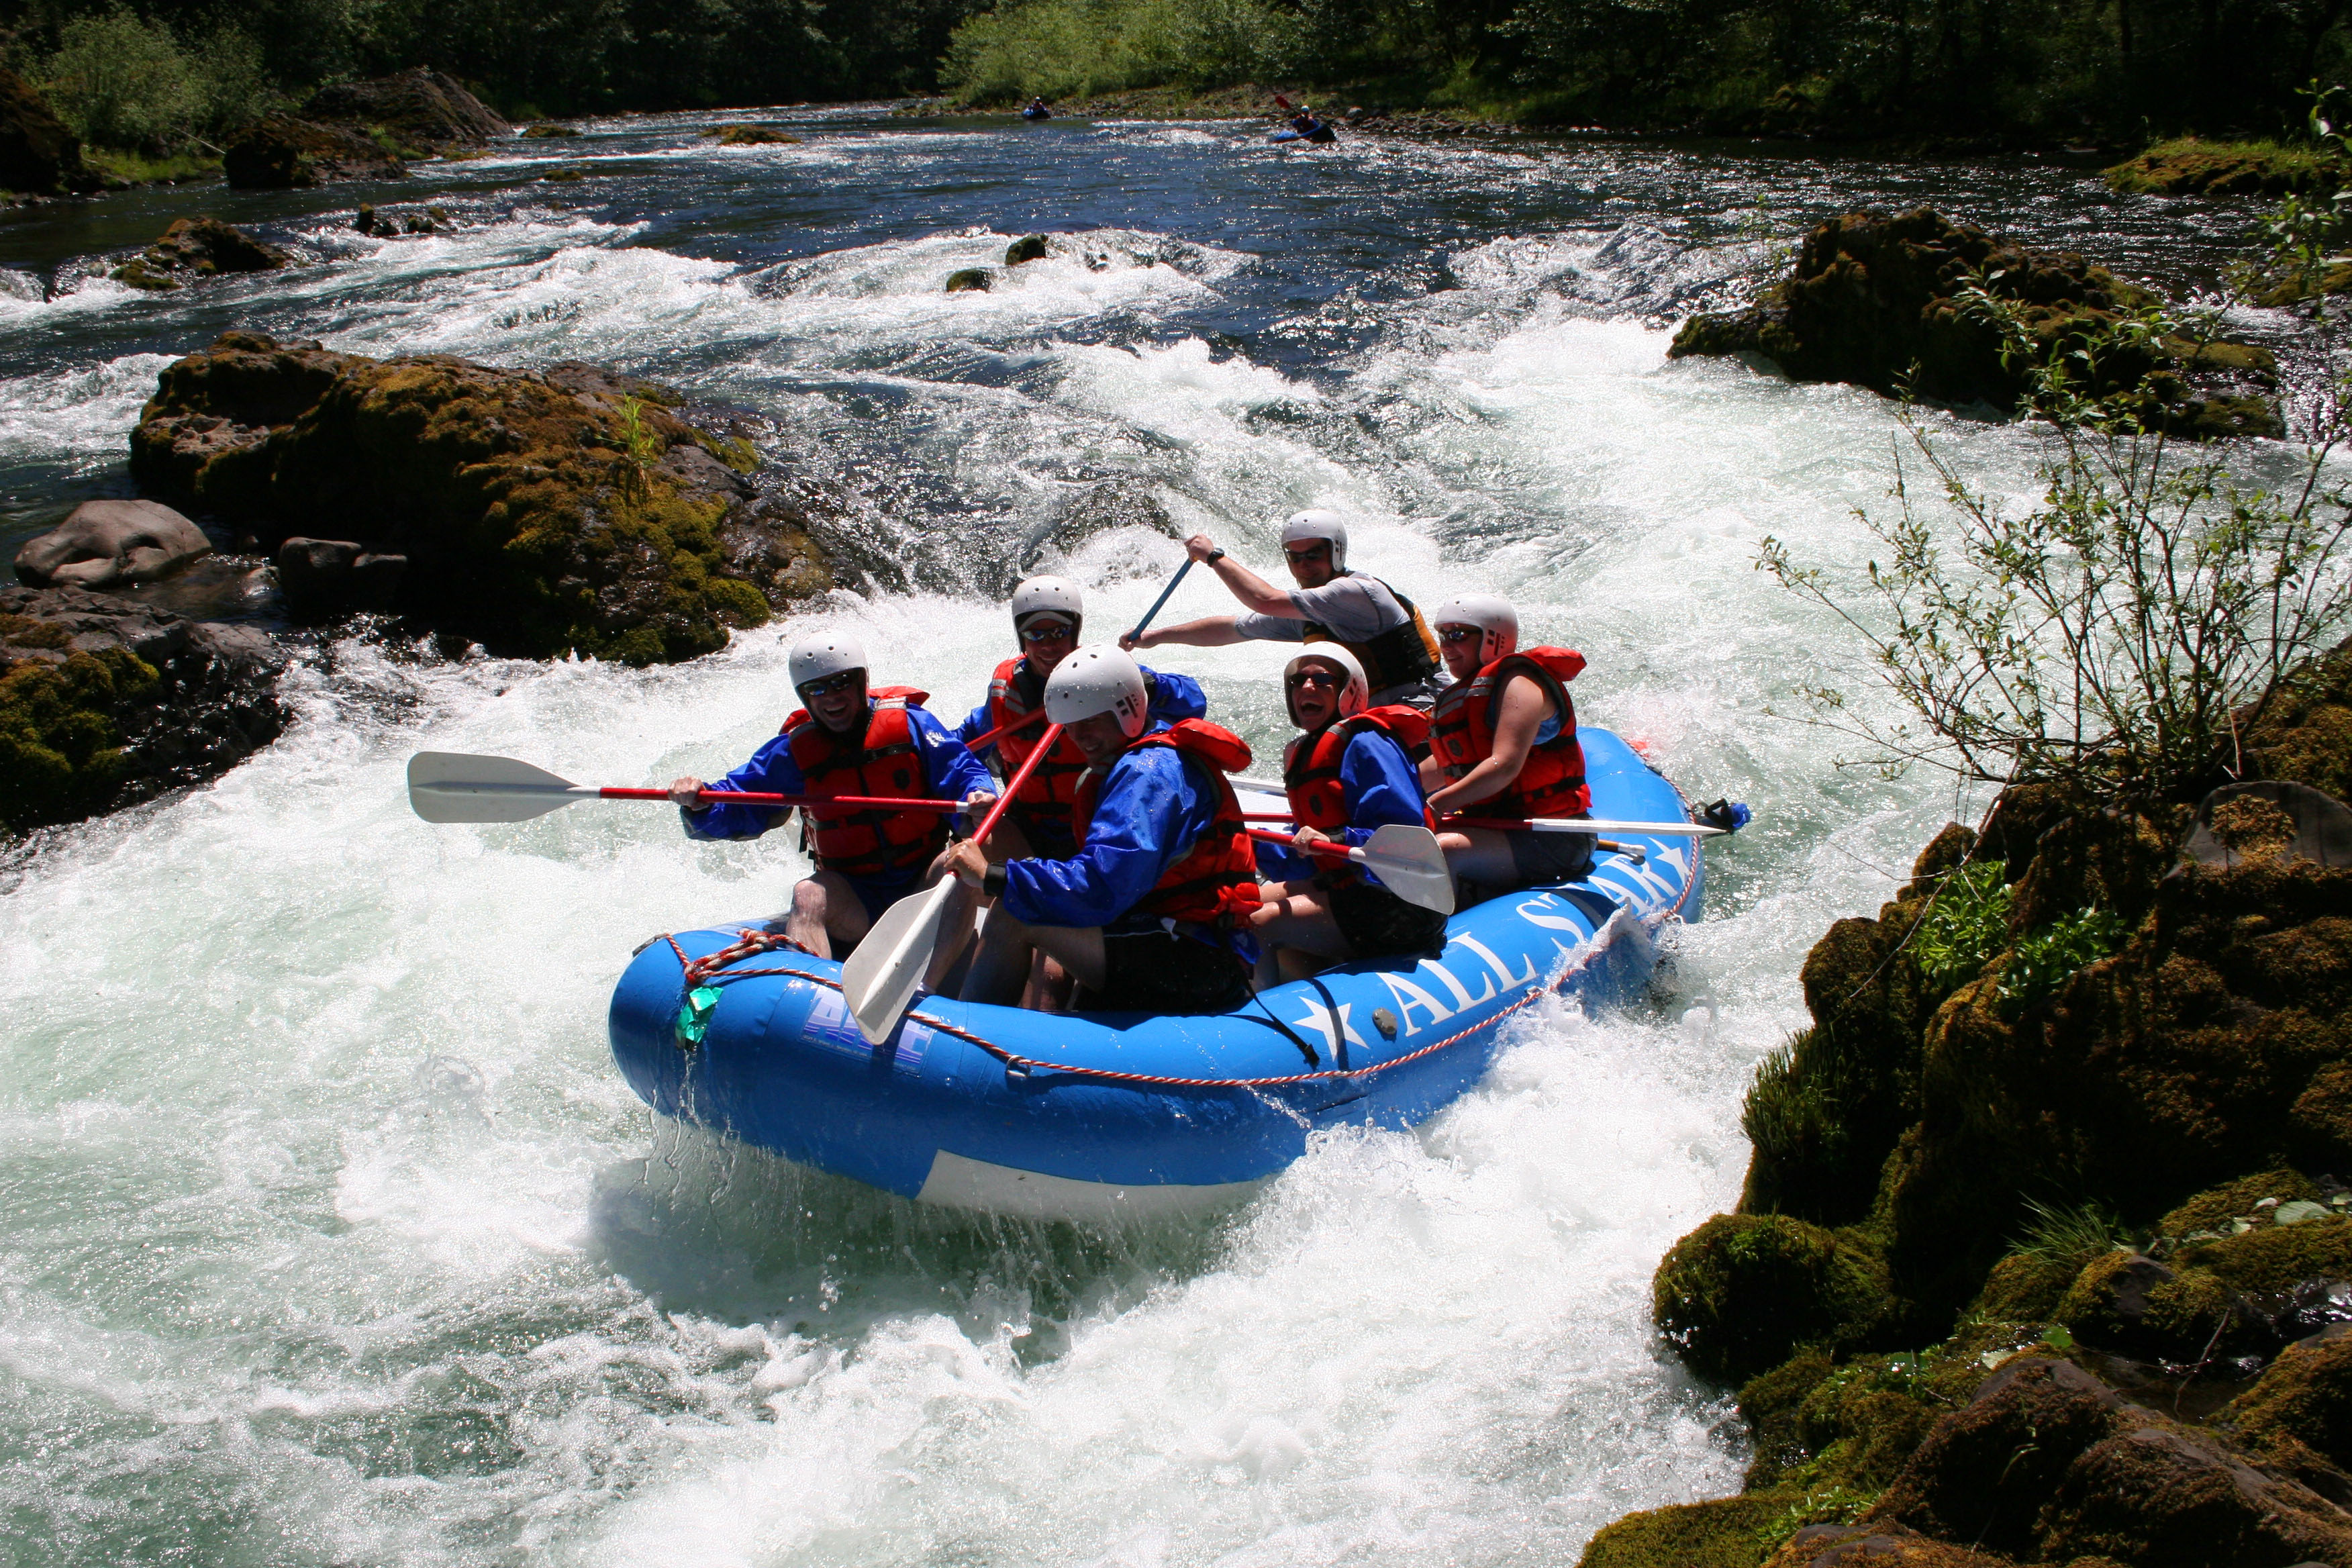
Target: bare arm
[
  {"x": 1253, "y": 590},
  {"x": 1209, "y": 631},
  {"x": 1524, "y": 705}
]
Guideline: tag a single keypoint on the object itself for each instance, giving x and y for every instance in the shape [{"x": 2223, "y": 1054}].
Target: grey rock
[
  {"x": 326, "y": 577},
  {"x": 106, "y": 542}
]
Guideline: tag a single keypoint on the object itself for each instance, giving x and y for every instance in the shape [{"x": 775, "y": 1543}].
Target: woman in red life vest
[
  {"x": 1349, "y": 774},
  {"x": 1048, "y": 618},
  {"x": 1503, "y": 745},
  {"x": 1143, "y": 915},
  {"x": 851, "y": 741}
]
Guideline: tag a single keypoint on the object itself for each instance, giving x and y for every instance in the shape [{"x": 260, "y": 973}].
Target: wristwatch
[
  {"x": 1216, "y": 553},
  {"x": 992, "y": 882}
]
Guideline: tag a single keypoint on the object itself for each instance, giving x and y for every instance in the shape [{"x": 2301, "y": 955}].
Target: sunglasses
[
  {"x": 1048, "y": 631},
  {"x": 1330, "y": 678},
  {"x": 832, "y": 683},
  {"x": 1459, "y": 634},
  {"x": 1318, "y": 552}
]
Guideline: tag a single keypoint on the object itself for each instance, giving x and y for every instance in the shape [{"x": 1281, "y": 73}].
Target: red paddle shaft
[
  {"x": 731, "y": 797},
  {"x": 986, "y": 736},
  {"x": 1045, "y": 744},
  {"x": 1260, "y": 833}
]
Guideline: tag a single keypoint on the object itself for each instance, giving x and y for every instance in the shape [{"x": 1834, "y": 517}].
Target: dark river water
[{"x": 328, "y": 1233}]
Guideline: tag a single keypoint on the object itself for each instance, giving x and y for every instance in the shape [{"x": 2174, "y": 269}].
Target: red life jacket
[
  {"x": 1042, "y": 807},
  {"x": 868, "y": 843},
  {"x": 1552, "y": 782},
  {"x": 1310, "y": 764},
  {"x": 1216, "y": 877}
]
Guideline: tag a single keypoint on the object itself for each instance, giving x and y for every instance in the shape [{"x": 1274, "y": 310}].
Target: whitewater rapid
[{"x": 331, "y": 1234}]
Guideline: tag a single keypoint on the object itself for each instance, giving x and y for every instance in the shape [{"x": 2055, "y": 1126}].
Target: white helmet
[
  {"x": 1319, "y": 523},
  {"x": 1490, "y": 614},
  {"x": 1353, "y": 694},
  {"x": 1098, "y": 680},
  {"x": 1054, "y": 595},
  {"x": 822, "y": 654}
]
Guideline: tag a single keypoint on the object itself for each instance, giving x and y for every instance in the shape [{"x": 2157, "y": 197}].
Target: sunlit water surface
[{"x": 329, "y": 1233}]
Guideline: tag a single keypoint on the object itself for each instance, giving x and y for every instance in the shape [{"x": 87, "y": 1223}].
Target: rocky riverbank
[
  {"x": 2043, "y": 1254},
  {"x": 1883, "y": 302}
]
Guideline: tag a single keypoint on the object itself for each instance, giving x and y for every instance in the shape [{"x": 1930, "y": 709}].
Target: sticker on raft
[{"x": 830, "y": 1025}]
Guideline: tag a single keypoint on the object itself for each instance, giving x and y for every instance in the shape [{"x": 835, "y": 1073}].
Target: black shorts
[
  {"x": 1151, "y": 972},
  {"x": 1545, "y": 858},
  {"x": 1379, "y": 924}
]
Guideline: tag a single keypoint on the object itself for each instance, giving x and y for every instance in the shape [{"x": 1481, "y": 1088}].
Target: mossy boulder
[
  {"x": 281, "y": 153},
  {"x": 539, "y": 512},
  {"x": 421, "y": 112},
  {"x": 105, "y": 702},
  {"x": 1029, "y": 248},
  {"x": 752, "y": 136},
  {"x": 1737, "y": 1295},
  {"x": 2305, "y": 1398},
  {"x": 198, "y": 248},
  {"x": 544, "y": 131},
  {"x": 2186, "y": 166},
  {"x": 2306, "y": 736},
  {"x": 975, "y": 280},
  {"x": 38, "y": 156},
  {"x": 1717, "y": 1534},
  {"x": 1876, "y": 300}
]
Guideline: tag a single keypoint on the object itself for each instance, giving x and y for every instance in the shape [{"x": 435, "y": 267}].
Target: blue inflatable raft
[{"x": 1094, "y": 1116}]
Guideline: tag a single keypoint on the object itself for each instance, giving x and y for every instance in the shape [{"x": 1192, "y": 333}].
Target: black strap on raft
[{"x": 1200, "y": 934}]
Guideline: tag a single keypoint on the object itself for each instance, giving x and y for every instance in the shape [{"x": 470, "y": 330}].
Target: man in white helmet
[
  {"x": 1331, "y": 603},
  {"x": 1048, "y": 614},
  {"x": 1143, "y": 914},
  {"x": 1349, "y": 773},
  {"x": 851, "y": 741},
  {"x": 1503, "y": 746}
]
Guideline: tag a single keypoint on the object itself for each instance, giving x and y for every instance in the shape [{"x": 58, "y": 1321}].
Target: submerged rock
[
  {"x": 198, "y": 248},
  {"x": 539, "y": 513},
  {"x": 104, "y": 702},
  {"x": 976, "y": 279},
  {"x": 107, "y": 541},
  {"x": 541, "y": 130},
  {"x": 1030, "y": 247},
  {"x": 282, "y": 152},
  {"x": 752, "y": 136},
  {"x": 38, "y": 156},
  {"x": 1876, "y": 300}
]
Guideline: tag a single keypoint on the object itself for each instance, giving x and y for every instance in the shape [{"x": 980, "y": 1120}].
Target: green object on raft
[{"x": 694, "y": 1017}]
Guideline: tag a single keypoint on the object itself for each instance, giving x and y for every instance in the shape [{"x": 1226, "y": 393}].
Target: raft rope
[{"x": 703, "y": 975}]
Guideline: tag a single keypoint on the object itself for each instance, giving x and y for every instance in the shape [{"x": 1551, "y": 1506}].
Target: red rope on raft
[{"x": 700, "y": 970}]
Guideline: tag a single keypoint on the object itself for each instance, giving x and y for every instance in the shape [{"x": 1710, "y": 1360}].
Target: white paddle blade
[
  {"x": 450, "y": 786},
  {"x": 1605, "y": 824},
  {"x": 879, "y": 979},
  {"x": 1409, "y": 863}
]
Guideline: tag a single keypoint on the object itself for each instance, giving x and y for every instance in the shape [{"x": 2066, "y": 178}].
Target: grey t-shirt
[{"x": 1353, "y": 608}]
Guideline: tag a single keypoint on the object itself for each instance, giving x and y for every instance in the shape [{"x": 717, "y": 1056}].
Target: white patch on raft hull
[{"x": 957, "y": 1182}]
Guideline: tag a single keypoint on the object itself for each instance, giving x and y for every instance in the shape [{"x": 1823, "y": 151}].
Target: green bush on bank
[
  {"x": 119, "y": 82},
  {"x": 1072, "y": 48}
]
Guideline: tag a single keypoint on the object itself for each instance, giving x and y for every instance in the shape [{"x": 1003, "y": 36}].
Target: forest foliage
[{"x": 165, "y": 75}]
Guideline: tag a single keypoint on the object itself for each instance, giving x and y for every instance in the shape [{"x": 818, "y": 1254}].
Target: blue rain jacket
[
  {"x": 1380, "y": 784},
  {"x": 952, "y": 772},
  {"x": 1151, "y": 808},
  {"x": 1173, "y": 697}
]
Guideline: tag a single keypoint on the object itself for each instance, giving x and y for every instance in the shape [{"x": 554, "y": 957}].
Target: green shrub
[
  {"x": 2070, "y": 1233},
  {"x": 119, "y": 82},
  {"x": 1965, "y": 928},
  {"x": 1069, "y": 48},
  {"x": 2046, "y": 959}
]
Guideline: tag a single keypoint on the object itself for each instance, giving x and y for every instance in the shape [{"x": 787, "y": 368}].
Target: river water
[{"x": 329, "y": 1234}]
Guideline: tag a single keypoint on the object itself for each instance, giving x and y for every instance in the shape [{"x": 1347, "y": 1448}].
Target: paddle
[
  {"x": 879, "y": 979},
  {"x": 450, "y": 786},
  {"x": 1405, "y": 858},
  {"x": 1150, "y": 615},
  {"x": 1584, "y": 824},
  {"x": 988, "y": 736}
]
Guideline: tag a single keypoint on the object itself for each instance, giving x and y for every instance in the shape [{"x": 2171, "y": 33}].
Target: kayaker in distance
[
  {"x": 1503, "y": 745},
  {"x": 1359, "y": 612},
  {"x": 851, "y": 741},
  {"x": 1143, "y": 915},
  {"x": 1048, "y": 618},
  {"x": 1036, "y": 110},
  {"x": 1311, "y": 127},
  {"x": 1348, "y": 774}
]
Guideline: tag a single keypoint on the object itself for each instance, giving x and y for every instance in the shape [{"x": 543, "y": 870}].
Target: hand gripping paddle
[
  {"x": 1405, "y": 858},
  {"x": 879, "y": 979}
]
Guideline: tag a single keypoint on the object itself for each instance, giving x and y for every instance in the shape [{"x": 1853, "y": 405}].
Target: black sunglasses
[
  {"x": 832, "y": 683},
  {"x": 1319, "y": 677},
  {"x": 1460, "y": 634},
  {"x": 1049, "y": 631},
  {"x": 1318, "y": 551}
]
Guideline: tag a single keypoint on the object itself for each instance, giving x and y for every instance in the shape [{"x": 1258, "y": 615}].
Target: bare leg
[
  {"x": 826, "y": 908},
  {"x": 1480, "y": 855},
  {"x": 1296, "y": 925},
  {"x": 1006, "y": 950}
]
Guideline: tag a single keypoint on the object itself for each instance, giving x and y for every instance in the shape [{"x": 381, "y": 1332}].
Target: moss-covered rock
[
  {"x": 975, "y": 279},
  {"x": 2304, "y": 1397},
  {"x": 2306, "y": 734},
  {"x": 1742, "y": 1291},
  {"x": 196, "y": 248},
  {"x": 281, "y": 153},
  {"x": 1718, "y": 1535},
  {"x": 752, "y": 136},
  {"x": 2187, "y": 166},
  {"x": 1028, "y": 247},
  {"x": 38, "y": 156},
  {"x": 420, "y": 112},
  {"x": 539, "y": 512},
  {"x": 104, "y": 702},
  {"x": 1876, "y": 300}
]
